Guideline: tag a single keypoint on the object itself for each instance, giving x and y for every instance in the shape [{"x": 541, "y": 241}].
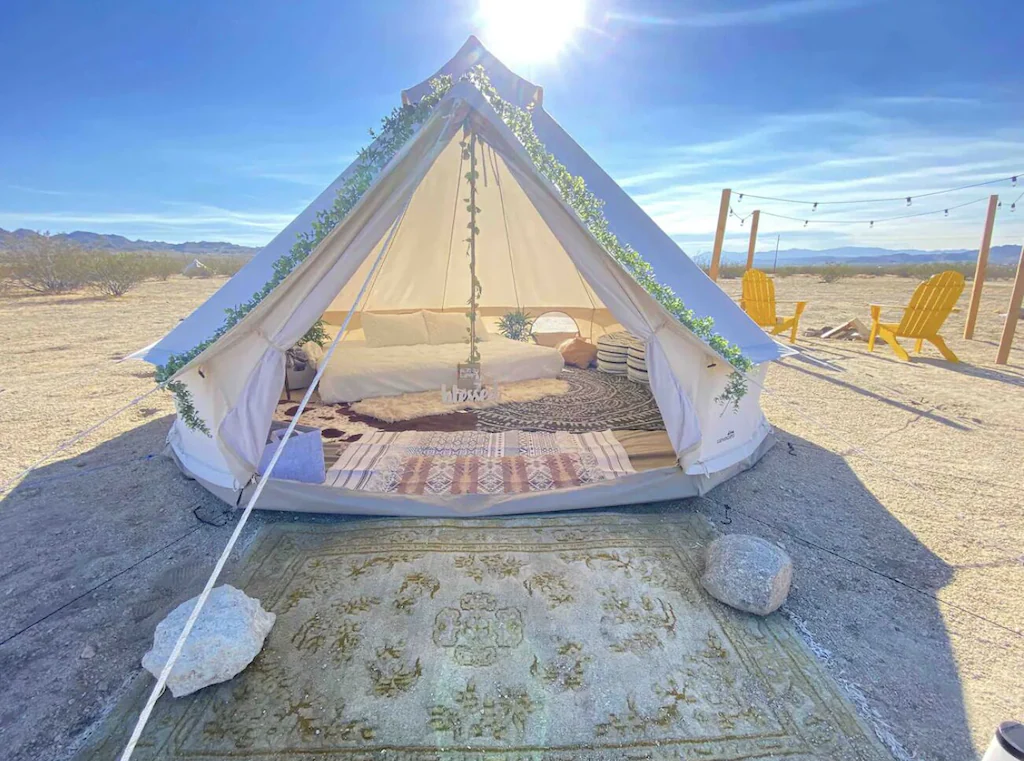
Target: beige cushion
[
  {"x": 382, "y": 330},
  {"x": 451, "y": 328},
  {"x": 578, "y": 352},
  {"x": 554, "y": 339}
]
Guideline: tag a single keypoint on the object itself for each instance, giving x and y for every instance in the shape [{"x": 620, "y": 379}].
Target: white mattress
[{"x": 359, "y": 372}]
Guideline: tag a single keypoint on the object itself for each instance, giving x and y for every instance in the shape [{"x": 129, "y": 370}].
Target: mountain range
[
  {"x": 101, "y": 242},
  {"x": 849, "y": 254},
  {"x": 866, "y": 255}
]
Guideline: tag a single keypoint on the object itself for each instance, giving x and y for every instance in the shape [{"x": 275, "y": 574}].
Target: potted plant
[{"x": 516, "y": 325}]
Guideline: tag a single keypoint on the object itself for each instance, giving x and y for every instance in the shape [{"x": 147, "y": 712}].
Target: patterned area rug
[
  {"x": 473, "y": 462},
  {"x": 553, "y": 639},
  {"x": 596, "y": 401}
]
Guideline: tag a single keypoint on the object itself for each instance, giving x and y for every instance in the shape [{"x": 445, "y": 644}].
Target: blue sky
[{"x": 222, "y": 120}]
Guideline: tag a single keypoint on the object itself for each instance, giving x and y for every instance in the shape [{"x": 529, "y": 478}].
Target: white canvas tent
[
  {"x": 196, "y": 268},
  {"x": 396, "y": 248}
]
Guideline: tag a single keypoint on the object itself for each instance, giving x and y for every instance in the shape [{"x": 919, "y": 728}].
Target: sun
[{"x": 528, "y": 32}]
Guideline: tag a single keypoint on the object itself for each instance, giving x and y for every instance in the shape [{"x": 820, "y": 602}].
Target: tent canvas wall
[{"x": 399, "y": 240}]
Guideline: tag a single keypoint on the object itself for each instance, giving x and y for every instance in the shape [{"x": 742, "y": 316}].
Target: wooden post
[
  {"x": 979, "y": 270},
  {"x": 1010, "y": 326},
  {"x": 723, "y": 217},
  {"x": 755, "y": 218}
]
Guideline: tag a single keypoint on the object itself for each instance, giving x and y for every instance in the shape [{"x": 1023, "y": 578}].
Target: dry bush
[
  {"x": 116, "y": 274},
  {"x": 46, "y": 264},
  {"x": 162, "y": 266}
]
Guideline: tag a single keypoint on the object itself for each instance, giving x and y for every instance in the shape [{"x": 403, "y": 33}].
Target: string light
[
  {"x": 1011, "y": 178},
  {"x": 871, "y": 222}
]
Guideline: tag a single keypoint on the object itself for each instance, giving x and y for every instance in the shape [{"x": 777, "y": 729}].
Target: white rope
[
  {"x": 78, "y": 437},
  {"x": 161, "y": 681},
  {"x": 855, "y": 450}
]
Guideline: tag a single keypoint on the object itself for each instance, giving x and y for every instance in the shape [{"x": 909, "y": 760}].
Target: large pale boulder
[
  {"x": 226, "y": 637},
  {"x": 747, "y": 573}
]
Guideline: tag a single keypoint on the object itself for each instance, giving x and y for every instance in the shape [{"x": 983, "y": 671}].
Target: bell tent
[
  {"x": 196, "y": 268},
  {"x": 378, "y": 263}
]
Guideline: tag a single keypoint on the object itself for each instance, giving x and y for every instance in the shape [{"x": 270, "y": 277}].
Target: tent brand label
[{"x": 730, "y": 435}]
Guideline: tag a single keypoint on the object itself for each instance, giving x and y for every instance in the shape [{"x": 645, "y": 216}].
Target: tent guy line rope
[
  {"x": 864, "y": 566},
  {"x": 857, "y": 450},
  {"x": 78, "y": 437},
  {"x": 101, "y": 584},
  {"x": 161, "y": 682}
]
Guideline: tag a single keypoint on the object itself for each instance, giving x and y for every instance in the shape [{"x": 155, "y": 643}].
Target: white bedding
[{"x": 359, "y": 372}]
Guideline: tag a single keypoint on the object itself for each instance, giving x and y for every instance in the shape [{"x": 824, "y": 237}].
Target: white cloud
[
  {"x": 770, "y": 13},
  {"x": 846, "y": 155},
  {"x": 190, "y": 222}
]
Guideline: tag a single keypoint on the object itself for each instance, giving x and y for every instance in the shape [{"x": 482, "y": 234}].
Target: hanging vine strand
[{"x": 397, "y": 128}]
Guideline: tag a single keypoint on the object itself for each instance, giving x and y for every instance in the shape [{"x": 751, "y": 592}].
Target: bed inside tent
[
  {"x": 391, "y": 283},
  {"x": 386, "y": 404}
]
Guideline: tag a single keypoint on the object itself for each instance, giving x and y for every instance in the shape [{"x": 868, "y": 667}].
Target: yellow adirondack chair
[
  {"x": 758, "y": 301},
  {"x": 929, "y": 307}
]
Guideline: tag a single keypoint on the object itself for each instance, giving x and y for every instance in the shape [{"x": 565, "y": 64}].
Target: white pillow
[
  {"x": 452, "y": 328},
  {"x": 394, "y": 329}
]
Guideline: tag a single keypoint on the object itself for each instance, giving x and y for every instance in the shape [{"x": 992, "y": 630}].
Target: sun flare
[{"x": 527, "y": 32}]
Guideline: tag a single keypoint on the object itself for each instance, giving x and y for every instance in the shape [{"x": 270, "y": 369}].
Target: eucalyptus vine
[
  {"x": 475, "y": 289},
  {"x": 589, "y": 208},
  {"x": 396, "y": 129}
]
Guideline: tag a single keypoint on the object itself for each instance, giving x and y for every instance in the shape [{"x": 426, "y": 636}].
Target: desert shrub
[
  {"x": 833, "y": 273},
  {"x": 116, "y": 274},
  {"x": 46, "y": 264},
  {"x": 731, "y": 271},
  {"x": 161, "y": 266}
]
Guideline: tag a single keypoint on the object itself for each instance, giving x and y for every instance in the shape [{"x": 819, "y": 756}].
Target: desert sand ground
[{"x": 897, "y": 488}]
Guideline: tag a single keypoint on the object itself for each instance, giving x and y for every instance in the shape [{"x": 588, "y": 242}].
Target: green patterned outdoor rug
[{"x": 583, "y": 637}]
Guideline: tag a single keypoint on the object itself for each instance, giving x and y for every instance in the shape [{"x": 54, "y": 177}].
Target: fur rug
[{"x": 392, "y": 409}]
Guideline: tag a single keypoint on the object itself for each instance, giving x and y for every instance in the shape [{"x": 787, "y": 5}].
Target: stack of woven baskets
[{"x": 622, "y": 354}]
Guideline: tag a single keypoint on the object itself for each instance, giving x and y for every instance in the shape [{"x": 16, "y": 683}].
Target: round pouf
[
  {"x": 747, "y": 573},
  {"x": 636, "y": 362},
  {"x": 613, "y": 352}
]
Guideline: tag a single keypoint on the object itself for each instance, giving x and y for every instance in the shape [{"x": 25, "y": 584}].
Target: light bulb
[{"x": 908, "y": 200}]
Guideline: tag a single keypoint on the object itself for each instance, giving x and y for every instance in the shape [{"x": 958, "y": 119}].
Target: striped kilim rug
[
  {"x": 446, "y": 463},
  {"x": 547, "y": 639}
]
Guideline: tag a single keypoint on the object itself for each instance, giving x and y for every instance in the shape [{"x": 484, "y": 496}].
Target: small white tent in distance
[{"x": 392, "y": 254}]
